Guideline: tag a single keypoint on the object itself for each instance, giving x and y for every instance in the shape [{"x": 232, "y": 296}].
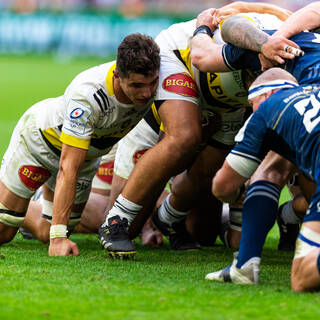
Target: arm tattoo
[{"x": 244, "y": 34}]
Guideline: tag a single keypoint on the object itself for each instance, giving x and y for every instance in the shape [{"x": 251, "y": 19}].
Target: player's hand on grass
[
  {"x": 279, "y": 48},
  {"x": 63, "y": 247},
  {"x": 151, "y": 238}
]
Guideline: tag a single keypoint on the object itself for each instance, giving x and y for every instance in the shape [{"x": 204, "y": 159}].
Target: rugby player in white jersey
[
  {"x": 178, "y": 100},
  {"x": 58, "y": 142}
]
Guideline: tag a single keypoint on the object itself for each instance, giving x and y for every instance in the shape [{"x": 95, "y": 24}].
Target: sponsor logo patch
[
  {"x": 105, "y": 172},
  {"x": 76, "y": 113},
  {"x": 138, "y": 155},
  {"x": 181, "y": 83},
  {"x": 33, "y": 177}
]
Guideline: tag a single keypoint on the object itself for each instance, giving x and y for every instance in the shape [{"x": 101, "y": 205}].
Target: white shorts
[
  {"x": 131, "y": 147},
  {"x": 29, "y": 162},
  {"x": 307, "y": 241},
  {"x": 103, "y": 177},
  {"x": 231, "y": 123}
]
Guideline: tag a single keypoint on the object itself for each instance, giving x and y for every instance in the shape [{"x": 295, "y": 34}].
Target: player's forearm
[
  {"x": 242, "y": 33},
  {"x": 307, "y": 18},
  {"x": 261, "y": 7},
  {"x": 206, "y": 55},
  {"x": 63, "y": 198}
]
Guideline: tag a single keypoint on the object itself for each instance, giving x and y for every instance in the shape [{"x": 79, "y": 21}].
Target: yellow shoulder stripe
[
  {"x": 109, "y": 80},
  {"x": 53, "y": 138},
  {"x": 242, "y": 15},
  {"x": 74, "y": 142}
]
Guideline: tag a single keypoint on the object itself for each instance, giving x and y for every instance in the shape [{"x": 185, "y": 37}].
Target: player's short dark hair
[{"x": 138, "y": 53}]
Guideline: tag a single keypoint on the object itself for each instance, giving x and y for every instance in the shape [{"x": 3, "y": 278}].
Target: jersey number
[{"x": 310, "y": 117}]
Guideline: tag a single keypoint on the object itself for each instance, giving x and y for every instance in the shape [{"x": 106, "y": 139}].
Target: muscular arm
[
  {"x": 307, "y": 18},
  {"x": 243, "y": 7},
  {"x": 71, "y": 162},
  {"x": 206, "y": 55},
  {"x": 226, "y": 184},
  {"x": 242, "y": 33},
  {"x": 182, "y": 135}
]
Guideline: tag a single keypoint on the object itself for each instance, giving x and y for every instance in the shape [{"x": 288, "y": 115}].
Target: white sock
[
  {"x": 124, "y": 209},
  {"x": 170, "y": 215},
  {"x": 288, "y": 215}
]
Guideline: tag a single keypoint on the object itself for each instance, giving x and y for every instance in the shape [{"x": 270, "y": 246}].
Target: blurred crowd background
[
  {"x": 131, "y": 7},
  {"x": 93, "y": 27}
]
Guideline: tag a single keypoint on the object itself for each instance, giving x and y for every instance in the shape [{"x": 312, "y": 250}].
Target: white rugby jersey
[
  {"x": 221, "y": 92},
  {"x": 88, "y": 115}
]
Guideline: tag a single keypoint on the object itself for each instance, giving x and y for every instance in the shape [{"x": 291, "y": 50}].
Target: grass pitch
[{"x": 160, "y": 284}]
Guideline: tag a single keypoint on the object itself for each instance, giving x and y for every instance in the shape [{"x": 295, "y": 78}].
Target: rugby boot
[
  {"x": 288, "y": 233},
  {"x": 114, "y": 238},
  {"x": 247, "y": 274},
  {"x": 179, "y": 237},
  {"x": 26, "y": 234}
]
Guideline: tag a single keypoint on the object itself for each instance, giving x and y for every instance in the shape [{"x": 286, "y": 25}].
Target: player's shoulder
[{"x": 94, "y": 81}]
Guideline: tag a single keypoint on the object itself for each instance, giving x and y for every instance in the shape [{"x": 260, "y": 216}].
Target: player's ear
[
  {"x": 116, "y": 73},
  {"x": 270, "y": 93}
]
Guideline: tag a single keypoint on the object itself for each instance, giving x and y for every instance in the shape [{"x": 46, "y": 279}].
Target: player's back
[{"x": 293, "y": 121}]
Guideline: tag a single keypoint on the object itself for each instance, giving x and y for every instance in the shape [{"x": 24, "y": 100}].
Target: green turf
[{"x": 160, "y": 284}]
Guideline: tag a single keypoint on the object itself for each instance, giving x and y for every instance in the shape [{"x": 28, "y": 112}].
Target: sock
[
  {"x": 318, "y": 262},
  {"x": 124, "y": 209},
  {"x": 168, "y": 214},
  {"x": 288, "y": 215},
  {"x": 235, "y": 215},
  {"x": 258, "y": 217}
]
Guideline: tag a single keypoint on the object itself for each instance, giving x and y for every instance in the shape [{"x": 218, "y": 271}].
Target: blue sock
[
  {"x": 318, "y": 262},
  {"x": 258, "y": 217}
]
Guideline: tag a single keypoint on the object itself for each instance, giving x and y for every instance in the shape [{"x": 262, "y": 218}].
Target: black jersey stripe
[
  {"x": 103, "y": 94},
  {"x": 98, "y": 101},
  {"x": 151, "y": 121},
  {"x": 178, "y": 55},
  {"x": 103, "y": 98}
]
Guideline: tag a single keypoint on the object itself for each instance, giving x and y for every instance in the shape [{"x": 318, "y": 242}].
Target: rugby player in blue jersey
[
  {"x": 286, "y": 120},
  {"x": 241, "y": 31}
]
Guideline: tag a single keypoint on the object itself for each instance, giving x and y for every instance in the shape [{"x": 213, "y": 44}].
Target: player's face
[
  {"x": 139, "y": 88},
  {"x": 256, "y": 101}
]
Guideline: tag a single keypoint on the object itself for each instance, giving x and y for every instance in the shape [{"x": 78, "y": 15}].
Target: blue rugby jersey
[
  {"x": 305, "y": 69},
  {"x": 287, "y": 123}
]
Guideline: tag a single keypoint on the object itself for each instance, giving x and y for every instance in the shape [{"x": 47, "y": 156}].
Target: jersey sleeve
[
  {"x": 237, "y": 58},
  {"x": 249, "y": 151},
  {"x": 77, "y": 127}
]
